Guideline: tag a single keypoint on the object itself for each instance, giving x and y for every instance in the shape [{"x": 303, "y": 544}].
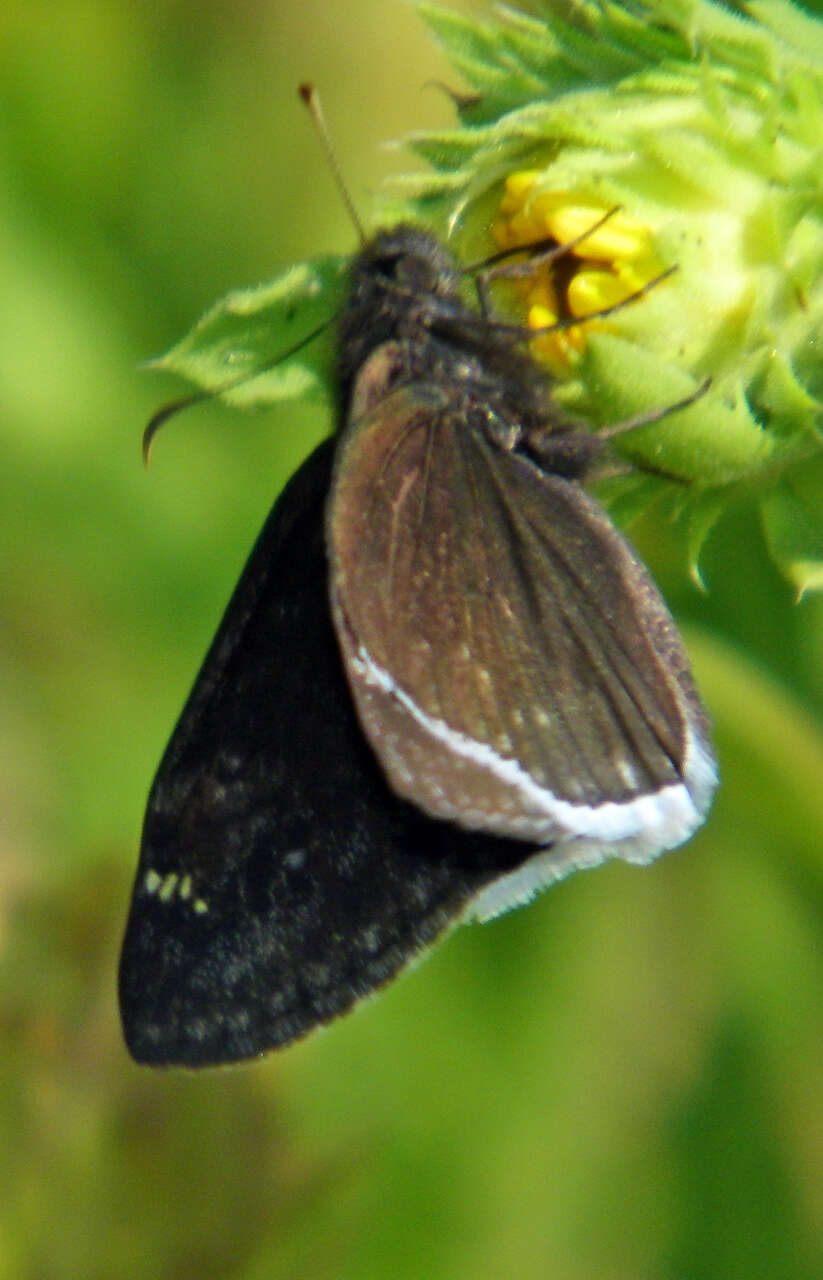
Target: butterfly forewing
[{"x": 280, "y": 879}]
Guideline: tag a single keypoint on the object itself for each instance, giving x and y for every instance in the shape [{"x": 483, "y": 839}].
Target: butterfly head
[{"x": 400, "y": 282}]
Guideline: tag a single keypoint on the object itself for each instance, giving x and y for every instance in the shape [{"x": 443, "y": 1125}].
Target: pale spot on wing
[
  {"x": 167, "y": 888},
  {"x": 628, "y": 773},
  {"x": 152, "y": 882},
  {"x": 173, "y": 886}
]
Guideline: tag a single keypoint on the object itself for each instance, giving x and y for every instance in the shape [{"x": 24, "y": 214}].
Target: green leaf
[
  {"x": 794, "y": 538},
  {"x": 266, "y": 344},
  {"x": 713, "y": 442},
  {"x": 703, "y": 515},
  {"x": 795, "y": 28},
  {"x": 446, "y": 149},
  {"x": 782, "y": 395},
  {"x": 474, "y": 49},
  {"x": 628, "y": 496}
]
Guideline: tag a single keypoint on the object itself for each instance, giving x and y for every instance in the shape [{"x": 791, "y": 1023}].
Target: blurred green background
[{"x": 624, "y": 1081}]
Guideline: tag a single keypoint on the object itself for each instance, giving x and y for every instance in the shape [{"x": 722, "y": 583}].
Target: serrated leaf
[
  {"x": 584, "y": 48},
  {"x": 448, "y": 150},
  {"x": 797, "y": 29},
  {"x": 636, "y": 37},
  {"x": 794, "y": 538},
  {"x": 466, "y": 41},
  {"x": 268, "y": 343}
]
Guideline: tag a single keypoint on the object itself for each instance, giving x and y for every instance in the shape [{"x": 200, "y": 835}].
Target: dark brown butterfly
[{"x": 444, "y": 681}]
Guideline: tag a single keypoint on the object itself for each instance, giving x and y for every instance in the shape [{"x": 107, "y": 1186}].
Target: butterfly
[{"x": 444, "y": 681}]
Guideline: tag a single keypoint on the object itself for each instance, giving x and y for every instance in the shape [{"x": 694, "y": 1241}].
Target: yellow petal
[
  {"x": 541, "y": 317},
  {"x": 618, "y": 237},
  {"x": 592, "y": 290}
]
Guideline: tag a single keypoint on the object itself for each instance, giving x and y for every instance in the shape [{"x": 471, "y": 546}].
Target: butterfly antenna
[
  {"x": 197, "y": 397},
  {"x": 311, "y": 98},
  {"x": 163, "y": 415}
]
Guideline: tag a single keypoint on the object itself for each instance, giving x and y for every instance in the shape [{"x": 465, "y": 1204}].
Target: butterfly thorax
[{"x": 406, "y": 301}]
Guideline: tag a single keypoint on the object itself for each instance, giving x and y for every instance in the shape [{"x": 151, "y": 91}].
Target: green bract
[
  {"x": 268, "y": 343},
  {"x": 705, "y": 128}
]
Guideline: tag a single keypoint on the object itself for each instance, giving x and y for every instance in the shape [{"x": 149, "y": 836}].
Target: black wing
[{"x": 280, "y": 879}]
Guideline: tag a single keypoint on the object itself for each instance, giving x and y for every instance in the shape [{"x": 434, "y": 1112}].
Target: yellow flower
[{"x": 611, "y": 256}]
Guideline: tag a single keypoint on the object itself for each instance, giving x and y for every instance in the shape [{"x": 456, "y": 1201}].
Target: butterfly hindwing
[{"x": 518, "y": 672}]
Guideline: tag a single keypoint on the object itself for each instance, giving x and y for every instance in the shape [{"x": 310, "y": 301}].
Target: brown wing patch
[{"x": 492, "y": 646}]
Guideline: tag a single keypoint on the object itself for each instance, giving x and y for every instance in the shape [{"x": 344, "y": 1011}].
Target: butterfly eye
[{"x": 388, "y": 266}]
